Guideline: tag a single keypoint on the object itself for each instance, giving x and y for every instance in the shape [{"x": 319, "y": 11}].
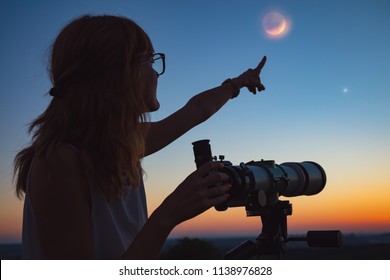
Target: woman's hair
[{"x": 99, "y": 105}]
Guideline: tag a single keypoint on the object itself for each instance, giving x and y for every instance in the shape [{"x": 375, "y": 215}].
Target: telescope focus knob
[{"x": 245, "y": 168}]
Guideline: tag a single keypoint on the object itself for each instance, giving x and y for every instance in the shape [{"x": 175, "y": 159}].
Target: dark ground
[{"x": 356, "y": 247}]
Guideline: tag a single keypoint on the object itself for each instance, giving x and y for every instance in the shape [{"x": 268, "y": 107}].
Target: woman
[{"x": 82, "y": 174}]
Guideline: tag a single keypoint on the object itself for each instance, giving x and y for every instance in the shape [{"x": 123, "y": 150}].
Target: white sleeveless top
[{"x": 115, "y": 224}]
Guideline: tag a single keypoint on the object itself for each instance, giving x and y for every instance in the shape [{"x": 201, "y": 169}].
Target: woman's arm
[
  {"x": 198, "y": 109},
  {"x": 192, "y": 197}
]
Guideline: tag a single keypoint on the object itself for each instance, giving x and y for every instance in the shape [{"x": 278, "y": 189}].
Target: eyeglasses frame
[{"x": 160, "y": 56}]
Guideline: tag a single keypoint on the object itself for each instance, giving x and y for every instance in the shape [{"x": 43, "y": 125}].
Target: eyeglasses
[{"x": 158, "y": 63}]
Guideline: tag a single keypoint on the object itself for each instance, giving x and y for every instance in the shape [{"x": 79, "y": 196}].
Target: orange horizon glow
[
  {"x": 352, "y": 209},
  {"x": 342, "y": 209}
]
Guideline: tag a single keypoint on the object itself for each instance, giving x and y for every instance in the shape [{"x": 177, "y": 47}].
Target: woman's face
[{"x": 150, "y": 83}]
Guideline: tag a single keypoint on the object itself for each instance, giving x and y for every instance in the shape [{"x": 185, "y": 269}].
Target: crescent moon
[
  {"x": 277, "y": 30},
  {"x": 275, "y": 25}
]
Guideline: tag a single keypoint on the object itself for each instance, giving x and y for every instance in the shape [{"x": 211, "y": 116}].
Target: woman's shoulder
[
  {"x": 59, "y": 170},
  {"x": 61, "y": 157}
]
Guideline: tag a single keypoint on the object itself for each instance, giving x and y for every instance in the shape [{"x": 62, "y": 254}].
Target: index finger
[{"x": 261, "y": 64}]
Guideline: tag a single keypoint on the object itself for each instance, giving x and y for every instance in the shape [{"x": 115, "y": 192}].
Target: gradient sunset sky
[{"x": 327, "y": 99}]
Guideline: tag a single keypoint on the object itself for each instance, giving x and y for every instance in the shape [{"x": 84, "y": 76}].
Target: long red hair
[{"x": 99, "y": 105}]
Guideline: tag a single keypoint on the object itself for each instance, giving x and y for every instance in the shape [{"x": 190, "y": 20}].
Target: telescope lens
[{"x": 305, "y": 178}]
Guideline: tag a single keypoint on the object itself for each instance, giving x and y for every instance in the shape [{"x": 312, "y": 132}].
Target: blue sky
[{"x": 327, "y": 97}]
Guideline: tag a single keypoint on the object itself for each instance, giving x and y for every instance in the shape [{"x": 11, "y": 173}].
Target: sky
[{"x": 327, "y": 99}]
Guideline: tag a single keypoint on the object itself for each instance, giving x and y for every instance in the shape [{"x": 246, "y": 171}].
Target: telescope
[{"x": 257, "y": 186}]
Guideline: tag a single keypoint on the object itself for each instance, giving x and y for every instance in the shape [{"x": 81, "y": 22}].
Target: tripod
[{"x": 274, "y": 234}]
